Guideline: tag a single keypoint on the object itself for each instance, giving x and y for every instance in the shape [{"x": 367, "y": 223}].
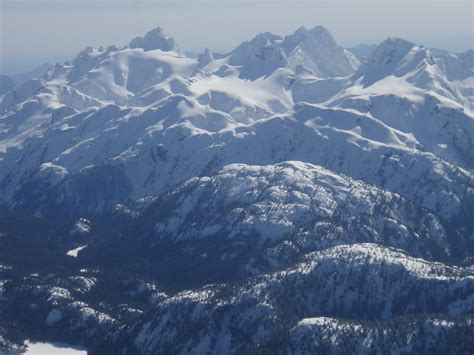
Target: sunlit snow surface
[
  {"x": 53, "y": 348},
  {"x": 74, "y": 252}
]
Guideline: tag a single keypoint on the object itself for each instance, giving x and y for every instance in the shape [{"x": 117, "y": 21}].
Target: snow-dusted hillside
[
  {"x": 282, "y": 172},
  {"x": 271, "y": 313},
  {"x": 292, "y": 208}
]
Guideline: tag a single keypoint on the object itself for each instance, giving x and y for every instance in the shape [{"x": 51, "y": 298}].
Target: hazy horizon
[{"x": 33, "y": 33}]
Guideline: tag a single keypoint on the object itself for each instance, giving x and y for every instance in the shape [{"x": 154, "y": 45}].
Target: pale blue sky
[{"x": 33, "y": 32}]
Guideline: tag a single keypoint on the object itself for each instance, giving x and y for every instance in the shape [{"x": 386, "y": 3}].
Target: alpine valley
[{"x": 290, "y": 196}]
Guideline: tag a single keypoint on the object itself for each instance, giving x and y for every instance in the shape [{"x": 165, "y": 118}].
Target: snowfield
[{"x": 52, "y": 348}]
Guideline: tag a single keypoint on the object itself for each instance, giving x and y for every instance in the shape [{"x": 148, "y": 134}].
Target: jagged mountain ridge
[{"x": 203, "y": 105}]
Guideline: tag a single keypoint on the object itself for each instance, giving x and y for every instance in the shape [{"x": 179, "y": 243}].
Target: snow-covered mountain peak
[
  {"x": 21, "y": 93},
  {"x": 316, "y": 50},
  {"x": 318, "y": 33},
  {"x": 457, "y": 66},
  {"x": 387, "y": 56},
  {"x": 205, "y": 58},
  {"x": 253, "y": 47},
  {"x": 85, "y": 54},
  {"x": 397, "y": 57},
  {"x": 155, "y": 39},
  {"x": 259, "y": 57},
  {"x": 391, "y": 49}
]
